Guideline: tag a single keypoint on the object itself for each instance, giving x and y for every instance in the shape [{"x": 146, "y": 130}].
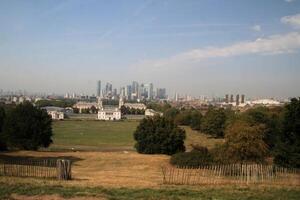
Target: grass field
[
  {"x": 58, "y": 192},
  {"x": 120, "y": 175},
  {"x": 93, "y": 135},
  {"x": 100, "y": 135}
]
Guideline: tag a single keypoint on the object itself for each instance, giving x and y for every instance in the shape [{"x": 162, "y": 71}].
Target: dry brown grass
[
  {"x": 111, "y": 169},
  {"x": 196, "y": 137}
]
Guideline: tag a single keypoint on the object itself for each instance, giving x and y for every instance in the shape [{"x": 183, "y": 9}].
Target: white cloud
[
  {"x": 293, "y": 20},
  {"x": 289, "y": 1},
  {"x": 256, "y": 28},
  {"x": 274, "y": 44}
]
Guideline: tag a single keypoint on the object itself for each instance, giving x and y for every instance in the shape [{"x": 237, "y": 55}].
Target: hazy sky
[{"x": 201, "y": 47}]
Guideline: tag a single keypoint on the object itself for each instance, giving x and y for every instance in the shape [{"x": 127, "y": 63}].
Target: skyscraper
[
  {"x": 99, "y": 89},
  {"x": 128, "y": 91},
  {"x": 231, "y": 98},
  {"x": 226, "y": 98},
  {"x": 243, "y": 98},
  {"x": 237, "y": 100},
  {"x": 108, "y": 89},
  {"x": 161, "y": 93}
]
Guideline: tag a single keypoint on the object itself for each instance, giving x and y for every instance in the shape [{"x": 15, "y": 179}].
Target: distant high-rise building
[
  {"x": 243, "y": 98},
  {"x": 161, "y": 93},
  {"x": 226, "y": 98},
  {"x": 115, "y": 91},
  {"x": 108, "y": 89},
  {"x": 128, "y": 92},
  {"x": 99, "y": 88},
  {"x": 135, "y": 90},
  {"x": 176, "y": 96},
  {"x": 237, "y": 99},
  {"x": 231, "y": 98}
]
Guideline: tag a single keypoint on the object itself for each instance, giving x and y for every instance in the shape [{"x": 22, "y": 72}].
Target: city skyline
[{"x": 191, "y": 47}]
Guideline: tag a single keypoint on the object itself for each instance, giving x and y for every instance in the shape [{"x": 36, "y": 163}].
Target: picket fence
[
  {"x": 231, "y": 173},
  {"x": 44, "y": 168}
]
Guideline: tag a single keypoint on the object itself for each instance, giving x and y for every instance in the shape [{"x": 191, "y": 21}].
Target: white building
[
  {"x": 266, "y": 102},
  {"x": 151, "y": 113},
  {"x": 108, "y": 112},
  {"x": 56, "y": 113}
]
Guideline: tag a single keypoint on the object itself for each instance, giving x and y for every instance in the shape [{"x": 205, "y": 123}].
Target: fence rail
[
  {"x": 233, "y": 173},
  {"x": 44, "y": 168}
]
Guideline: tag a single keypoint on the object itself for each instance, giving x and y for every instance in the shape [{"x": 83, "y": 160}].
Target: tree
[
  {"x": 196, "y": 118},
  {"x": 94, "y": 109},
  {"x": 288, "y": 149},
  {"x": 2, "y": 118},
  {"x": 158, "y": 135},
  {"x": 271, "y": 118},
  {"x": 76, "y": 110},
  {"x": 213, "y": 122},
  {"x": 27, "y": 127},
  {"x": 171, "y": 113},
  {"x": 244, "y": 142}
]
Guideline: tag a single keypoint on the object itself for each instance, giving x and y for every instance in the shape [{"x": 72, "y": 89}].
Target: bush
[
  {"x": 158, "y": 135},
  {"x": 199, "y": 156},
  {"x": 27, "y": 127}
]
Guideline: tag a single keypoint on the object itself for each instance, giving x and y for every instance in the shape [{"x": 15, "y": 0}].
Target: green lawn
[
  {"x": 110, "y": 135},
  {"x": 175, "y": 193},
  {"x": 93, "y": 135}
]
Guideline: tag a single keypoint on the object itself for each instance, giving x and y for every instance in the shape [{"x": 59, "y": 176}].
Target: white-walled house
[
  {"x": 56, "y": 113},
  {"x": 109, "y": 113}
]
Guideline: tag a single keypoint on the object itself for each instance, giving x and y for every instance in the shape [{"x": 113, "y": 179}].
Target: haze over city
[{"x": 190, "y": 47}]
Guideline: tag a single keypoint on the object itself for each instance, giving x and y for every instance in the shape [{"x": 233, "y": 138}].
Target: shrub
[
  {"x": 199, "y": 156},
  {"x": 158, "y": 135}
]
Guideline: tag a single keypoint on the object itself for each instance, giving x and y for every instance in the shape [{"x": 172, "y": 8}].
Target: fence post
[{"x": 63, "y": 169}]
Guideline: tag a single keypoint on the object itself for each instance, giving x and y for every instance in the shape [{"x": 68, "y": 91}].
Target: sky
[{"x": 195, "y": 47}]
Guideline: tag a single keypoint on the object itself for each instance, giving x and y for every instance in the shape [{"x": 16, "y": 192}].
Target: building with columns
[{"x": 109, "y": 112}]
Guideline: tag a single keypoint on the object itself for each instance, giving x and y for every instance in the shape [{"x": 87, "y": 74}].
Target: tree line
[{"x": 250, "y": 136}]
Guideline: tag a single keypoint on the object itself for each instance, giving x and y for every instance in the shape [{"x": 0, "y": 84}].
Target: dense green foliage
[
  {"x": 161, "y": 107},
  {"x": 159, "y": 135},
  {"x": 213, "y": 123},
  {"x": 199, "y": 156},
  {"x": 270, "y": 118},
  {"x": 288, "y": 149},
  {"x": 190, "y": 117},
  {"x": 58, "y": 103},
  {"x": 27, "y": 127},
  {"x": 244, "y": 143},
  {"x": 131, "y": 111},
  {"x": 2, "y": 117}
]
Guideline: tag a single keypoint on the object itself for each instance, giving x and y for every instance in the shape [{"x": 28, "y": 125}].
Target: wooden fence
[
  {"x": 45, "y": 168},
  {"x": 233, "y": 173}
]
